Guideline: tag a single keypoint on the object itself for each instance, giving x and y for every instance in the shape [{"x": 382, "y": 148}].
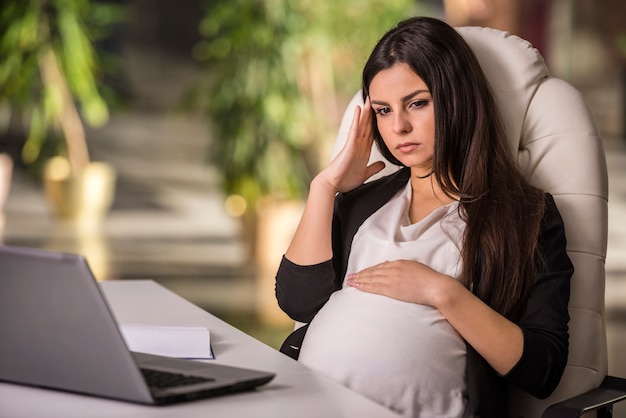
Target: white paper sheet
[{"x": 171, "y": 341}]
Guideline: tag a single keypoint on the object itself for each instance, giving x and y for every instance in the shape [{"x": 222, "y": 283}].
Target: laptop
[{"x": 57, "y": 332}]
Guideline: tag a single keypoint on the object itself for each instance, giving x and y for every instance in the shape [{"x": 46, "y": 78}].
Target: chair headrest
[{"x": 514, "y": 69}]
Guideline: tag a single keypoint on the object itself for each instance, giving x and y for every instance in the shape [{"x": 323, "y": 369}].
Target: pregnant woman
[{"x": 432, "y": 289}]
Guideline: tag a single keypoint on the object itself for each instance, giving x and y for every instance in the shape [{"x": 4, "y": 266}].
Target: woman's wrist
[
  {"x": 447, "y": 293},
  {"x": 320, "y": 183}
]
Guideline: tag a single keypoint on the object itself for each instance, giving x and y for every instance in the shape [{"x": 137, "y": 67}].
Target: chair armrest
[{"x": 612, "y": 390}]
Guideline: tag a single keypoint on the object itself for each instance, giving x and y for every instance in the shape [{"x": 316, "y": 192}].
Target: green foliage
[
  {"x": 68, "y": 28},
  {"x": 621, "y": 42},
  {"x": 278, "y": 74}
]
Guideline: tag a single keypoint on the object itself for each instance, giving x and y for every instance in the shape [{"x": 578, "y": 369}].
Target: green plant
[
  {"x": 48, "y": 66},
  {"x": 278, "y": 75}
]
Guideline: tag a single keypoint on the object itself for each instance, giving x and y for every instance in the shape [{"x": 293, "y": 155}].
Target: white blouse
[{"x": 403, "y": 355}]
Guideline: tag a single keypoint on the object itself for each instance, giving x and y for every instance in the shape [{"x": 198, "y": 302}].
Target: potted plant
[
  {"x": 49, "y": 74},
  {"x": 279, "y": 74}
]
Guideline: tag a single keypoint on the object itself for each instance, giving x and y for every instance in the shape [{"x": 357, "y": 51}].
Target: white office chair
[{"x": 558, "y": 147}]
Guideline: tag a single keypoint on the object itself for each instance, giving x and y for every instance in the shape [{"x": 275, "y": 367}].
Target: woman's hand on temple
[
  {"x": 312, "y": 242},
  {"x": 349, "y": 169}
]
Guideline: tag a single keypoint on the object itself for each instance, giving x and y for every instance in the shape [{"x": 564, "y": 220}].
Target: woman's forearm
[
  {"x": 494, "y": 337},
  {"x": 311, "y": 243}
]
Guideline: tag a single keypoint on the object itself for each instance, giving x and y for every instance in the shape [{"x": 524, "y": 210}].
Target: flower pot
[
  {"x": 84, "y": 197},
  {"x": 277, "y": 221},
  {"x": 6, "y": 171}
]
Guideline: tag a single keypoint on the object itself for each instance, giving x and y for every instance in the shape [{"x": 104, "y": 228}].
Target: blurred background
[{"x": 197, "y": 125}]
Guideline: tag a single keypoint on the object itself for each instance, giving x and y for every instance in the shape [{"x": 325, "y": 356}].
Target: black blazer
[{"x": 303, "y": 290}]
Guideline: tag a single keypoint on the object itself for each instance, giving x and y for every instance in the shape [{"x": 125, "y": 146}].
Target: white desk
[{"x": 295, "y": 392}]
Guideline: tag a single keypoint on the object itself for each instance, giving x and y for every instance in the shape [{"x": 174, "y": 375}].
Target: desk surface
[{"x": 295, "y": 392}]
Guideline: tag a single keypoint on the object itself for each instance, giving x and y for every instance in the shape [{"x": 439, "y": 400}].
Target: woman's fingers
[
  {"x": 360, "y": 134},
  {"x": 350, "y": 169},
  {"x": 375, "y": 168},
  {"x": 371, "y": 281},
  {"x": 371, "y": 274},
  {"x": 365, "y": 120}
]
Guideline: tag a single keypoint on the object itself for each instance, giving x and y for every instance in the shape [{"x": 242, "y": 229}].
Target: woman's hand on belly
[
  {"x": 405, "y": 280},
  {"x": 497, "y": 339}
]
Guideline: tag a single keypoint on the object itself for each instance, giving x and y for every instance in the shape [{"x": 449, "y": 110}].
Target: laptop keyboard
[{"x": 163, "y": 380}]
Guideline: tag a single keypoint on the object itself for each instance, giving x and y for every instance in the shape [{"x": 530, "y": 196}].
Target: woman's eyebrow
[
  {"x": 413, "y": 94},
  {"x": 404, "y": 99}
]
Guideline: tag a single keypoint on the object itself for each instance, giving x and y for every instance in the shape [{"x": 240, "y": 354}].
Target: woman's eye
[
  {"x": 382, "y": 111},
  {"x": 419, "y": 103}
]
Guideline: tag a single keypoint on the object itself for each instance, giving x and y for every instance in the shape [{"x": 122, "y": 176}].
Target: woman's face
[{"x": 405, "y": 116}]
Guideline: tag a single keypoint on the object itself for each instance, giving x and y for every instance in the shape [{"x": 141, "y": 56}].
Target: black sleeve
[
  {"x": 544, "y": 321},
  {"x": 301, "y": 291}
]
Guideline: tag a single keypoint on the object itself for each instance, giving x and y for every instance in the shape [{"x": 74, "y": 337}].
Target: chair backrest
[{"x": 558, "y": 147}]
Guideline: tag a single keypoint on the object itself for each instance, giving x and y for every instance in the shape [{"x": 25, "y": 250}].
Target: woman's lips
[{"x": 407, "y": 147}]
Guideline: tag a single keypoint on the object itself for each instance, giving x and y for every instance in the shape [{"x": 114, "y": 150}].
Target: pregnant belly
[{"x": 396, "y": 352}]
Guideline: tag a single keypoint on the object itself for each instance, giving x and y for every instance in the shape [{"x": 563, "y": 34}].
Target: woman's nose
[{"x": 401, "y": 123}]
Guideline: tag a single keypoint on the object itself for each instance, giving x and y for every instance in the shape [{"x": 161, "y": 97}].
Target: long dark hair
[{"x": 472, "y": 160}]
